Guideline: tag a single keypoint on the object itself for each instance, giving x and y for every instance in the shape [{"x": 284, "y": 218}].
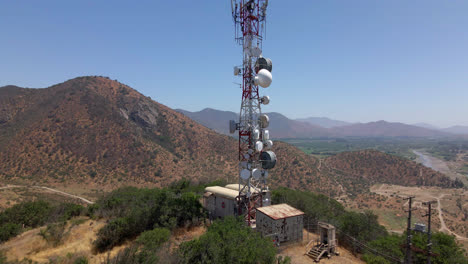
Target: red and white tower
[{"x": 255, "y": 156}]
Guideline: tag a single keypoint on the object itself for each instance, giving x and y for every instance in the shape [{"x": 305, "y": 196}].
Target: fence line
[{"x": 312, "y": 227}]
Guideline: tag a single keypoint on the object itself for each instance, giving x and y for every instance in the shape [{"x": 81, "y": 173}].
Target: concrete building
[
  {"x": 220, "y": 201},
  {"x": 282, "y": 222}
]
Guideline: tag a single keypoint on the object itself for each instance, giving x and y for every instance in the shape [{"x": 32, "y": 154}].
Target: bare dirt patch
[{"x": 297, "y": 253}]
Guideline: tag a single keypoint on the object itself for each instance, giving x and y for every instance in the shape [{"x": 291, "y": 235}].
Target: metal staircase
[{"x": 317, "y": 252}]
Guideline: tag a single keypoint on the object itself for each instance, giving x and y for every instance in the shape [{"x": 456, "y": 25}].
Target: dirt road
[
  {"x": 443, "y": 227},
  {"x": 49, "y": 189}
]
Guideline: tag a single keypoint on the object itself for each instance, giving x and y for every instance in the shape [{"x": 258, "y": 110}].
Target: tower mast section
[{"x": 254, "y": 158}]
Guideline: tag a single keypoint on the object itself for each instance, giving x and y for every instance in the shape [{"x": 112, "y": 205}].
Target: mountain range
[
  {"x": 460, "y": 130},
  {"x": 96, "y": 132},
  {"x": 283, "y": 127},
  {"x": 324, "y": 122}
]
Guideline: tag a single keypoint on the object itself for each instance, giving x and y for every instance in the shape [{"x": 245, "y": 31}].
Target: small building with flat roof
[
  {"x": 281, "y": 222},
  {"x": 220, "y": 201}
]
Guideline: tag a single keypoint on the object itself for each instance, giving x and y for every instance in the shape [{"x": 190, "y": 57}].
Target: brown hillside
[
  {"x": 99, "y": 129},
  {"x": 95, "y": 130},
  {"x": 373, "y": 166},
  {"x": 297, "y": 170}
]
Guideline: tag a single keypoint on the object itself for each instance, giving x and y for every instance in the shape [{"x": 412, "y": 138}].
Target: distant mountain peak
[
  {"x": 324, "y": 122},
  {"x": 460, "y": 130},
  {"x": 426, "y": 125}
]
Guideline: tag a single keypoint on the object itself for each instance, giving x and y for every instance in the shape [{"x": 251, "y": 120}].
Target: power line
[{"x": 374, "y": 251}]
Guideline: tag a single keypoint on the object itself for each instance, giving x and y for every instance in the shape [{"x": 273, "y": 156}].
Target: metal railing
[{"x": 357, "y": 246}]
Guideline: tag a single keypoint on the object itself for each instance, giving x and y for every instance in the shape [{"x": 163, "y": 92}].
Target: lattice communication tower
[{"x": 255, "y": 155}]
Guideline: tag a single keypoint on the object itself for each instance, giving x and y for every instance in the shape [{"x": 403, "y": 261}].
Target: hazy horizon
[
  {"x": 337, "y": 119},
  {"x": 359, "y": 61}
]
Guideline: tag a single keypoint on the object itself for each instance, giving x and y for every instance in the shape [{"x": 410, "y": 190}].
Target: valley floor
[{"x": 448, "y": 168}]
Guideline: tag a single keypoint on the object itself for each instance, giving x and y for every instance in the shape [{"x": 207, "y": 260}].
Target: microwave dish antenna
[
  {"x": 265, "y": 99},
  {"x": 263, "y": 78},
  {"x": 263, "y": 63}
]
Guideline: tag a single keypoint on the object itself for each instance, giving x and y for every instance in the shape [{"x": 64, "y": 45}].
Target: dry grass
[{"x": 77, "y": 241}]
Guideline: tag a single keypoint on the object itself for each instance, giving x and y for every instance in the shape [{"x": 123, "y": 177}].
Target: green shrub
[
  {"x": 372, "y": 259},
  {"x": 145, "y": 249},
  {"x": 8, "y": 231},
  {"x": 153, "y": 239},
  {"x": 71, "y": 210},
  {"x": 228, "y": 241},
  {"x": 362, "y": 226},
  {"x": 34, "y": 214},
  {"x": 31, "y": 214},
  {"x": 444, "y": 246},
  {"x": 53, "y": 233},
  {"x": 112, "y": 234},
  {"x": 149, "y": 242},
  {"x": 134, "y": 211},
  {"x": 64, "y": 211},
  {"x": 317, "y": 207}
]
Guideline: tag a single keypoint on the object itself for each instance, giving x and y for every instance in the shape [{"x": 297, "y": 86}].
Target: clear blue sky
[{"x": 396, "y": 60}]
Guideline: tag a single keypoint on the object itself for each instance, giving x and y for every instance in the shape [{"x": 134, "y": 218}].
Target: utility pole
[
  {"x": 429, "y": 242},
  {"x": 408, "y": 231}
]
